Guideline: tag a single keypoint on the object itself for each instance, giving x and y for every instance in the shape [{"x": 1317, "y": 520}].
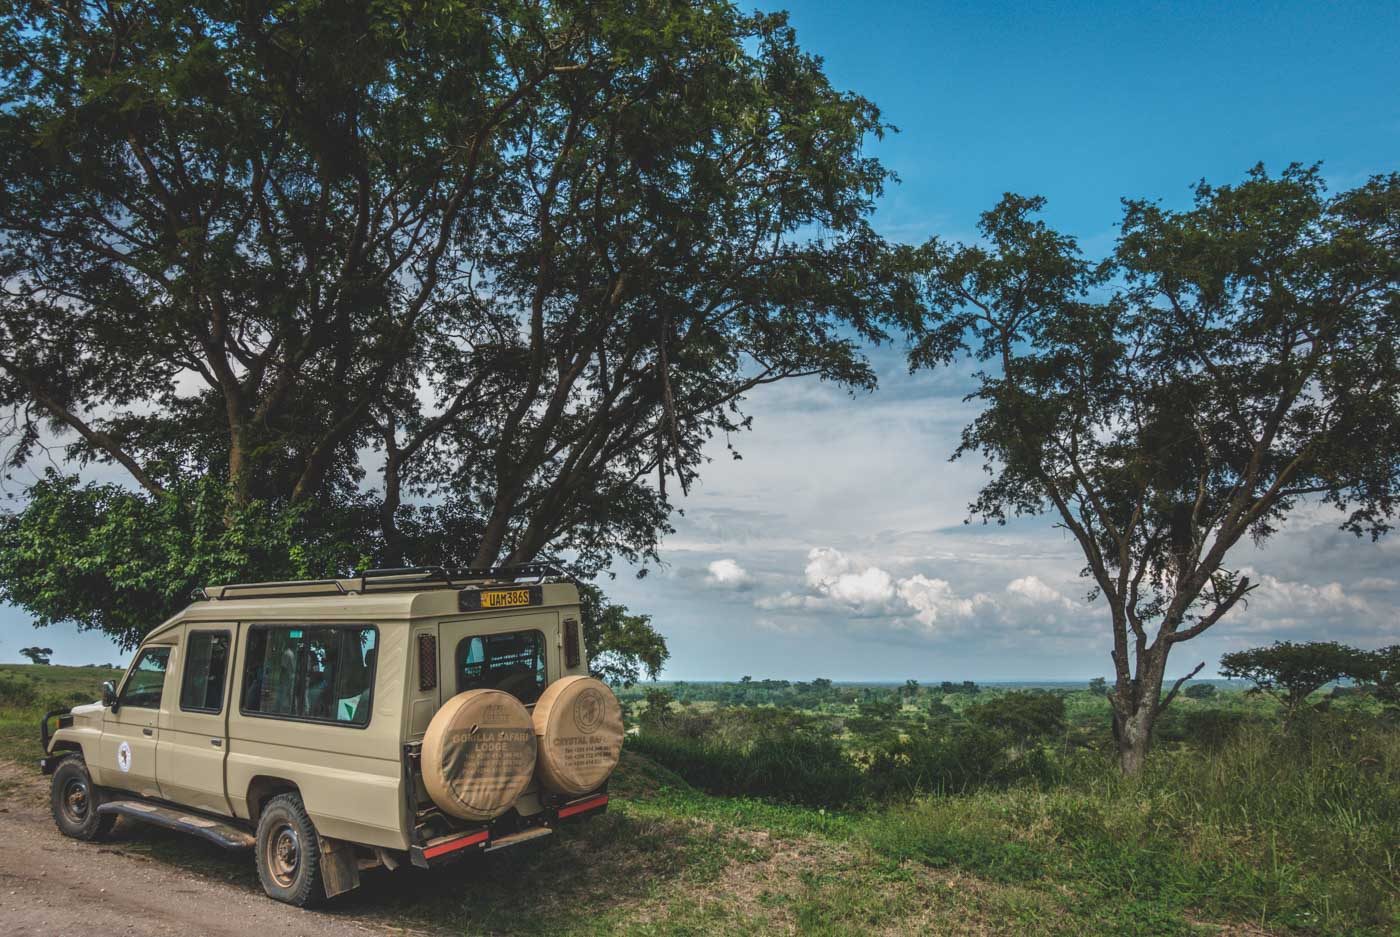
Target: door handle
[
  {"x": 148, "y": 731},
  {"x": 217, "y": 743}
]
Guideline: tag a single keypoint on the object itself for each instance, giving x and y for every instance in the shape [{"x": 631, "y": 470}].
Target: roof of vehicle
[{"x": 378, "y": 596}]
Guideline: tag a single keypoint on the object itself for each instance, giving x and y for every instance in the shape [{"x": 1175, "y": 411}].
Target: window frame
[
  {"x": 122, "y": 702},
  {"x": 459, "y": 658},
  {"x": 312, "y": 720},
  {"x": 185, "y": 675}
]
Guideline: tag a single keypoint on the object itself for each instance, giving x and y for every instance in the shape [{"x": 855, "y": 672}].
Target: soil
[{"x": 50, "y": 884}]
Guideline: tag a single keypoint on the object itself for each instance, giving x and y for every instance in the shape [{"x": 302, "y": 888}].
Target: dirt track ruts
[{"x": 52, "y": 885}]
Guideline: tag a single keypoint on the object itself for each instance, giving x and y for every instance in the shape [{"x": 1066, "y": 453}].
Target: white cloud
[
  {"x": 833, "y": 575},
  {"x": 1035, "y": 590},
  {"x": 728, "y": 574},
  {"x": 934, "y": 602}
]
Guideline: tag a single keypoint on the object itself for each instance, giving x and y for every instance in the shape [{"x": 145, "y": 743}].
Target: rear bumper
[{"x": 447, "y": 849}]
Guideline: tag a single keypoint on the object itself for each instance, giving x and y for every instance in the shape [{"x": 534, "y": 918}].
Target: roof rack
[
  {"x": 398, "y": 579},
  {"x": 418, "y": 577},
  {"x": 263, "y": 590}
]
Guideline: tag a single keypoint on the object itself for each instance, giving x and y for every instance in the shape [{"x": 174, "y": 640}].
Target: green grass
[{"x": 27, "y": 691}]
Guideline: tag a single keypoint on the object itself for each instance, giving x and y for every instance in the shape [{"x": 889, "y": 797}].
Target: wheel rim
[
  {"x": 76, "y": 800},
  {"x": 283, "y": 855}
]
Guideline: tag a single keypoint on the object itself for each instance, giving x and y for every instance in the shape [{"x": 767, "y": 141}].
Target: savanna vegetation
[{"x": 907, "y": 808}]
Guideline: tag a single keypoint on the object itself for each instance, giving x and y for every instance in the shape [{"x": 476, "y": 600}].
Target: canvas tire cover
[
  {"x": 478, "y": 754},
  {"x": 579, "y": 724}
]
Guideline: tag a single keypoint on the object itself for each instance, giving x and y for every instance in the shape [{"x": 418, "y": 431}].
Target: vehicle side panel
[{"x": 350, "y": 778}]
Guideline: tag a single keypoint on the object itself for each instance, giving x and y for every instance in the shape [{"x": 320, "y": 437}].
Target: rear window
[
  {"x": 512, "y": 662},
  {"x": 311, "y": 672}
]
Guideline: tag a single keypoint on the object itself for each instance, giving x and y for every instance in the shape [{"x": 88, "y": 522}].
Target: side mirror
[{"x": 109, "y": 694}]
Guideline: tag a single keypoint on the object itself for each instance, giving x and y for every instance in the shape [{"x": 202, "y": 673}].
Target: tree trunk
[
  {"x": 1136, "y": 707},
  {"x": 1134, "y": 738}
]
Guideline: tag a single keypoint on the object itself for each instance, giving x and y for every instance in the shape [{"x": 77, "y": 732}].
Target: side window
[
  {"x": 513, "y": 662},
  {"x": 147, "y": 678},
  {"x": 206, "y": 666},
  {"x": 313, "y": 672}
]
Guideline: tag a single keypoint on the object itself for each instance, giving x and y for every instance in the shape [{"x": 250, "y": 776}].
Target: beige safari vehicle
[{"x": 399, "y": 717}]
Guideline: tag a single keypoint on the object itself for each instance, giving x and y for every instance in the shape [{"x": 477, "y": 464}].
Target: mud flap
[{"x": 340, "y": 870}]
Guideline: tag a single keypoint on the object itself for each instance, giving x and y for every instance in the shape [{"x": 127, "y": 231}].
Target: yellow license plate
[{"x": 511, "y": 598}]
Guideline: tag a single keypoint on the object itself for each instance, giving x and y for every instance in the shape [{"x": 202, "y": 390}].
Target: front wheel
[
  {"x": 75, "y": 800},
  {"x": 289, "y": 853}
]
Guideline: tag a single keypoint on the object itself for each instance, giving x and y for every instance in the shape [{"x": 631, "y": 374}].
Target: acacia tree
[
  {"x": 535, "y": 254},
  {"x": 1291, "y": 672},
  {"x": 1244, "y": 358},
  {"x": 37, "y": 655}
]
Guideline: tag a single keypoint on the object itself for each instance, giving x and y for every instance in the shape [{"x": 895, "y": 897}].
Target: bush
[
  {"x": 17, "y": 691},
  {"x": 1212, "y": 728},
  {"x": 1200, "y": 691},
  {"x": 801, "y": 768},
  {"x": 1025, "y": 716}
]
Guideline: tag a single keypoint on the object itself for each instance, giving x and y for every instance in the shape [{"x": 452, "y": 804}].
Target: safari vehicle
[{"x": 404, "y": 716}]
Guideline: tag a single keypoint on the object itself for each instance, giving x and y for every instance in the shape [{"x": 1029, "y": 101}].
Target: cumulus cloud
[
  {"x": 838, "y": 584},
  {"x": 728, "y": 574},
  {"x": 1280, "y": 606},
  {"x": 1033, "y": 589},
  {"x": 934, "y": 603}
]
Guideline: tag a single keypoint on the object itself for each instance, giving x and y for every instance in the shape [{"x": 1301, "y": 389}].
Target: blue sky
[{"x": 1084, "y": 104}]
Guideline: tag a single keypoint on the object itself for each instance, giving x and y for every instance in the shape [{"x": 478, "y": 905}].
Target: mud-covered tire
[
  {"x": 74, "y": 800},
  {"x": 288, "y": 853}
]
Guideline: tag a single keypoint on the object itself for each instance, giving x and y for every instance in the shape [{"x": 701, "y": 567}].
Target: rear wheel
[
  {"x": 289, "y": 853},
  {"x": 74, "y": 801}
]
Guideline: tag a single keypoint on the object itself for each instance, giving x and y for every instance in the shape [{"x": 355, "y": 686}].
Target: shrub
[
  {"x": 1200, "y": 691},
  {"x": 1212, "y": 728},
  {"x": 17, "y": 691},
  {"x": 802, "y": 767},
  {"x": 1025, "y": 716}
]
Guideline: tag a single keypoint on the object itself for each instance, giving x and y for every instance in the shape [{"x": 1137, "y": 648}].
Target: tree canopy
[
  {"x": 471, "y": 294},
  {"x": 1228, "y": 361},
  {"x": 1291, "y": 672}
]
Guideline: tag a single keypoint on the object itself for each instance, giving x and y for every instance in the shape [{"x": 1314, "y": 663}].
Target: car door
[
  {"x": 131, "y": 728},
  {"x": 193, "y": 732}
]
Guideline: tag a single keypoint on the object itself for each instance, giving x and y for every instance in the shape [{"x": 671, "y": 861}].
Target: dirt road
[{"x": 52, "y": 885}]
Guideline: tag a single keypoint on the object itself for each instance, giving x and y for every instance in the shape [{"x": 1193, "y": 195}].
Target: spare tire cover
[
  {"x": 478, "y": 754},
  {"x": 579, "y": 724}
]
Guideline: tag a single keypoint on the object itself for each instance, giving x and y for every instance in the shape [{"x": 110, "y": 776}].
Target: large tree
[
  {"x": 438, "y": 281},
  {"x": 1230, "y": 361}
]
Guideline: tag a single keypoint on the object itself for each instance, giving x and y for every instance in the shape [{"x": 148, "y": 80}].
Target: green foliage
[
  {"x": 1098, "y": 686},
  {"x": 17, "y": 691},
  {"x": 1226, "y": 361},
  {"x": 1384, "y": 678},
  {"x": 120, "y": 562},
  {"x": 758, "y": 753},
  {"x": 621, "y": 646},
  {"x": 1024, "y": 716},
  {"x": 1292, "y": 672},
  {"x": 37, "y": 655},
  {"x": 1200, "y": 691}
]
